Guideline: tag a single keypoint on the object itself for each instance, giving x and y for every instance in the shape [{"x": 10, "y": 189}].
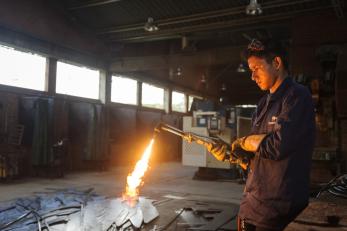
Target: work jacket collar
[{"x": 281, "y": 89}]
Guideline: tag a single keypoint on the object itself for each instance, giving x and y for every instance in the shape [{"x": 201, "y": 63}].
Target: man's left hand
[{"x": 248, "y": 143}]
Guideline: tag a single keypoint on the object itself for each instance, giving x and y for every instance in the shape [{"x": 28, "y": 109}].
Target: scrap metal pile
[
  {"x": 337, "y": 186},
  {"x": 72, "y": 210}
]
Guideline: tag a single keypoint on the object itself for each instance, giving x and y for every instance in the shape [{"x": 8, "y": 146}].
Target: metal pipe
[
  {"x": 92, "y": 4},
  {"x": 218, "y": 25},
  {"x": 15, "y": 221},
  {"x": 200, "y": 16}
]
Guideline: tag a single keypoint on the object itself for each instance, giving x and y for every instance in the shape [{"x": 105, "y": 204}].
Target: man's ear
[{"x": 277, "y": 62}]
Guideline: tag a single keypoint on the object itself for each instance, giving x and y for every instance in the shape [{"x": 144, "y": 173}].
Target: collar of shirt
[{"x": 281, "y": 89}]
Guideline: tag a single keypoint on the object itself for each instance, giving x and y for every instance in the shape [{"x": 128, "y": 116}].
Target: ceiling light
[
  {"x": 203, "y": 79},
  {"x": 176, "y": 72},
  {"x": 184, "y": 42},
  {"x": 150, "y": 25},
  {"x": 254, "y": 8},
  {"x": 241, "y": 68},
  {"x": 179, "y": 71}
]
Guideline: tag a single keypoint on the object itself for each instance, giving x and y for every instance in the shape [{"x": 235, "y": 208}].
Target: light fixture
[
  {"x": 177, "y": 72},
  {"x": 254, "y": 8},
  {"x": 224, "y": 87},
  {"x": 241, "y": 68},
  {"x": 150, "y": 25},
  {"x": 184, "y": 42},
  {"x": 203, "y": 79}
]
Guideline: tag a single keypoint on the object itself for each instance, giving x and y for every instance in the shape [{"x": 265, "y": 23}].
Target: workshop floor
[
  {"x": 170, "y": 184},
  {"x": 166, "y": 178}
]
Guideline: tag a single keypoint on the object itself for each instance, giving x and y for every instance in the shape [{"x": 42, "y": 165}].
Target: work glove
[
  {"x": 248, "y": 143},
  {"x": 239, "y": 155},
  {"x": 218, "y": 150}
]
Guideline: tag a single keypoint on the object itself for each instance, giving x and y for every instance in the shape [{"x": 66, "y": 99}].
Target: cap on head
[{"x": 267, "y": 49}]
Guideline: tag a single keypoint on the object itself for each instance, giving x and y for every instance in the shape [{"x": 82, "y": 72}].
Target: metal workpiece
[{"x": 74, "y": 210}]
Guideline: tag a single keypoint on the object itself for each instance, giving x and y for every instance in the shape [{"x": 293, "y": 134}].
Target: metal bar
[
  {"x": 200, "y": 16},
  {"x": 36, "y": 215},
  {"x": 240, "y": 22},
  {"x": 6, "y": 209},
  {"x": 165, "y": 227},
  {"x": 15, "y": 221},
  {"x": 337, "y": 4},
  {"x": 92, "y": 4},
  {"x": 173, "y": 130}
]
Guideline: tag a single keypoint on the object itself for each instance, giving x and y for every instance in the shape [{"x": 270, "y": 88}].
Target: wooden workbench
[{"x": 325, "y": 214}]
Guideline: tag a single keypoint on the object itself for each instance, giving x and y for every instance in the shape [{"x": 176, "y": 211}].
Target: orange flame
[{"x": 134, "y": 179}]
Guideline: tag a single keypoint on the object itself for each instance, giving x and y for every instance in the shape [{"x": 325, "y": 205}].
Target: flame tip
[{"x": 134, "y": 179}]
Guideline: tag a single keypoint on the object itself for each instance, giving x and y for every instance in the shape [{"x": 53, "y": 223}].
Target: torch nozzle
[{"x": 157, "y": 129}]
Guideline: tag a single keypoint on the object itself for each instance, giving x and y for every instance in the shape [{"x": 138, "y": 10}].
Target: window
[
  {"x": 21, "y": 69},
  {"x": 124, "y": 90},
  {"x": 77, "y": 81},
  {"x": 152, "y": 96},
  {"x": 178, "y": 102},
  {"x": 190, "y": 100}
]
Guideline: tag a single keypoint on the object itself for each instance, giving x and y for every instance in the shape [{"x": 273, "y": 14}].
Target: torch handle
[{"x": 203, "y": 140}]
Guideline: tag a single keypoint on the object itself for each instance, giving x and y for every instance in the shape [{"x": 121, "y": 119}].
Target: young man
[{"x": 282, "y": 140}]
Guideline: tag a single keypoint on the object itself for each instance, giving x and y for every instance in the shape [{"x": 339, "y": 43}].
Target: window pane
[
  {"x": 190, "y": 100},
  {"x": 124, "y": 90},
  {"x": 20, "y": 69},
  {"x": 152, "y": 96},
  {"x": 77, "y": 81},
  {"x": 178, "y": 102}
]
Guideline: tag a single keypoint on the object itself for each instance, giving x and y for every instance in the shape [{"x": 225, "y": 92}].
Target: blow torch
[{"x": 206, "y": 141}]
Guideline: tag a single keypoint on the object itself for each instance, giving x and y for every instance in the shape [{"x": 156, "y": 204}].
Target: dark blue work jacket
[{"x": 277, "y": 188}]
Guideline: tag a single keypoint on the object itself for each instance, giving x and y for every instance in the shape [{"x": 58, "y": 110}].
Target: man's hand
[
  {"x": 218, "y": 150},
  {"x": 248, "y": 143},
  {"x": 242, "y": 155},
  {"x": 243, "y": 148},
  {"x": 237, "y": 144}
]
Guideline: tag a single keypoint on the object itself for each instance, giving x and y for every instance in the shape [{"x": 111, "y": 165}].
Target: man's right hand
[
  {"x": 241, "y": 154},
  {"x": 218, "y": 150}
]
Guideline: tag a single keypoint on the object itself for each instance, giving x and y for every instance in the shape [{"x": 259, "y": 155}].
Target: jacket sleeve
[{"x": 293, "y": 124}]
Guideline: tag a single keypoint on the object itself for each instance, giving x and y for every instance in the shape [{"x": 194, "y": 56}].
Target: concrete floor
[
  {"x": 170, "y": 184},
  {"x": 166, "y": 178}
]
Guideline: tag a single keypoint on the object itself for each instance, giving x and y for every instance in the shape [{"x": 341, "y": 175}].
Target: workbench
[{"x": 325, "y": 214}]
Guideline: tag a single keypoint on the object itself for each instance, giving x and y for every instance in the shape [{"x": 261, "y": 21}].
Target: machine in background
[{"x": 227, "y": 124}]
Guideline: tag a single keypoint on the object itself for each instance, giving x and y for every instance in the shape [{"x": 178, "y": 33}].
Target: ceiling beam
[
  {"x": 201, "y": 16},
  {"x": 219, "y": 56},
  {"x": 337, "y": 4},
  {"x": 92, "y": 4},
  {"x": 175, "y": 33}
]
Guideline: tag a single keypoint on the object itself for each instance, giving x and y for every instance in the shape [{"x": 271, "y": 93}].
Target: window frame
[
  {"x": 165, "y": 100},
  {"x": 25, "y": 90},
  {"x": 137, "y": 90},
  {"x": 74, "y": 97},
  {"x": 185, "y": 102}
]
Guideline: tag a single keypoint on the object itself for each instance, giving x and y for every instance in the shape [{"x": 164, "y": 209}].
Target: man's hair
[{"x": 267, "y": 49}]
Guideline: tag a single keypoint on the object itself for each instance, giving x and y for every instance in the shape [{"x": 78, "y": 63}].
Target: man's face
[{"x": 263, "y": 73}]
